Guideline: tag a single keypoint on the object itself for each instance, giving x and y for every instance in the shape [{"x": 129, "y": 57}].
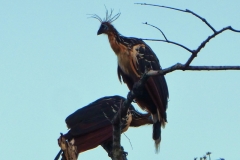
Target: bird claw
[
  {"x": 124, "y": 154},
  {"x": 124, "y": 157}
]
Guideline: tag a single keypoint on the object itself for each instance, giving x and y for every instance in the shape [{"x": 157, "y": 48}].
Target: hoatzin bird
[
  {"x": 91, "y": 125},
  {"x": 134, "y": 58}
]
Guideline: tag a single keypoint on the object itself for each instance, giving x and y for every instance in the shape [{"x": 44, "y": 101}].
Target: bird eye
[{"x": 104, "y": 27}]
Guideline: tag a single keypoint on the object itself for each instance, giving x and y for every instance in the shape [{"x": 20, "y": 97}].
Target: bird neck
[{"x": 113, "y": 37}]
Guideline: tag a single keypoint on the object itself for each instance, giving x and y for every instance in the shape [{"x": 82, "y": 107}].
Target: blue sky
[{"x": 52, "y": 62}]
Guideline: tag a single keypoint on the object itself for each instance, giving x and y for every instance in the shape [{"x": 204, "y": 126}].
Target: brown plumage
[
  {"x": 91, "y": 126},
  {"x": 134, "y": 57}
]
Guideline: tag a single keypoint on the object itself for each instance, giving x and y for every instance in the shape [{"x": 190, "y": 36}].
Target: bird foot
[{"x": 124, "y": 154}]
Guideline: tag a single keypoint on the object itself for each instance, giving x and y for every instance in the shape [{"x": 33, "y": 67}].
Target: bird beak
[{"x": 99, "y": 32}]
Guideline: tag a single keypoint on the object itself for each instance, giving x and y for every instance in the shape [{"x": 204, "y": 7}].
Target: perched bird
[
  {"x": 91, "y": 125},
  {"x": 134, "y": 58}
]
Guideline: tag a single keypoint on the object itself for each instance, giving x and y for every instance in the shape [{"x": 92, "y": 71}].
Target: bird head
[
  {"x": 104, "y": 28},
  {"x": 106, "y": 23}
]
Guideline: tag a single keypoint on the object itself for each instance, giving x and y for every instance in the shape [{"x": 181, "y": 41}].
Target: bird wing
[
  {"x": 91, "y": 125},
  {"x": 142, "y": 58},
  {"x": 94, "y": 116}
]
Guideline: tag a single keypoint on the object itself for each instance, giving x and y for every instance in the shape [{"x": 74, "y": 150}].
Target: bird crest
[{"x": 108, "y": 18}]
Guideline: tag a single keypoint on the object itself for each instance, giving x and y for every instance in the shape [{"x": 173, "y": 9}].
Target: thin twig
[
  {"x": 181, "y": 10},
  {"x": 171, "y": 42},
  {"x": 128, "y": 140},
  {"x": 157, "y": 29},
  {"x": 234, "y": 30},
  {"x": 202, "y": 45},
  {"x": 155, "y": 5}
]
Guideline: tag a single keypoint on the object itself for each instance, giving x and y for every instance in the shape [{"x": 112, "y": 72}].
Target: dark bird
[
  {"x": 91, "y": 125},
  {"x": 134, "y": 57}
]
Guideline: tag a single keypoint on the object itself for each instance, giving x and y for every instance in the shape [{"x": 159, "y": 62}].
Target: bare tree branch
[
  {"x": 187, "y": 11},
  {"x": 182, "y": 67},
  {"x": 202, "y": 45},
  {"x": 181, "y": 10},
  {"x": 195, "y": 52},
  {"x": 117, "y": 152},
  {"x": 58, "y": 155},
  {"x": 122, "y": 112},
  {"x": 171, "y": 42},
  {"x": 69, "y": 151},
  {"x": 137, "y": 90},
  {"x": 138, "y": 86},
  {"x": 157, "y": 29}
]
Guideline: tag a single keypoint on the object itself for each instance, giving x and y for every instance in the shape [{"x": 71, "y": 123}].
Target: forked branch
[
  {"x": 181, "y": 10},
  {"x": 202, "y": 45},
  {"x": 122, "y": 112},
  {"x": 138, "y": 86}
]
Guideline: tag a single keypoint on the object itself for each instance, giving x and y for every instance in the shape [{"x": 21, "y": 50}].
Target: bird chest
[{"x": 125, "y": 62}]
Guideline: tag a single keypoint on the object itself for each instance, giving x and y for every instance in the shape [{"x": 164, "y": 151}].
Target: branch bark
[
  {"x": 117, "y": 152},
  {"x": 137, "y": 89},
  {"x": 69, "y": 151},
  {"x": 182, "y": 67}
]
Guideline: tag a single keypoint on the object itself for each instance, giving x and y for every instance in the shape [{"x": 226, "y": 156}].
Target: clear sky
[{"x": 52, "y": 62}]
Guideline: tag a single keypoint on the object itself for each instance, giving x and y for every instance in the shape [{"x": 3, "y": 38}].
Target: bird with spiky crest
[
  {"x": 90, "y": 126},
  {"x": 134, "y": 57}
]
